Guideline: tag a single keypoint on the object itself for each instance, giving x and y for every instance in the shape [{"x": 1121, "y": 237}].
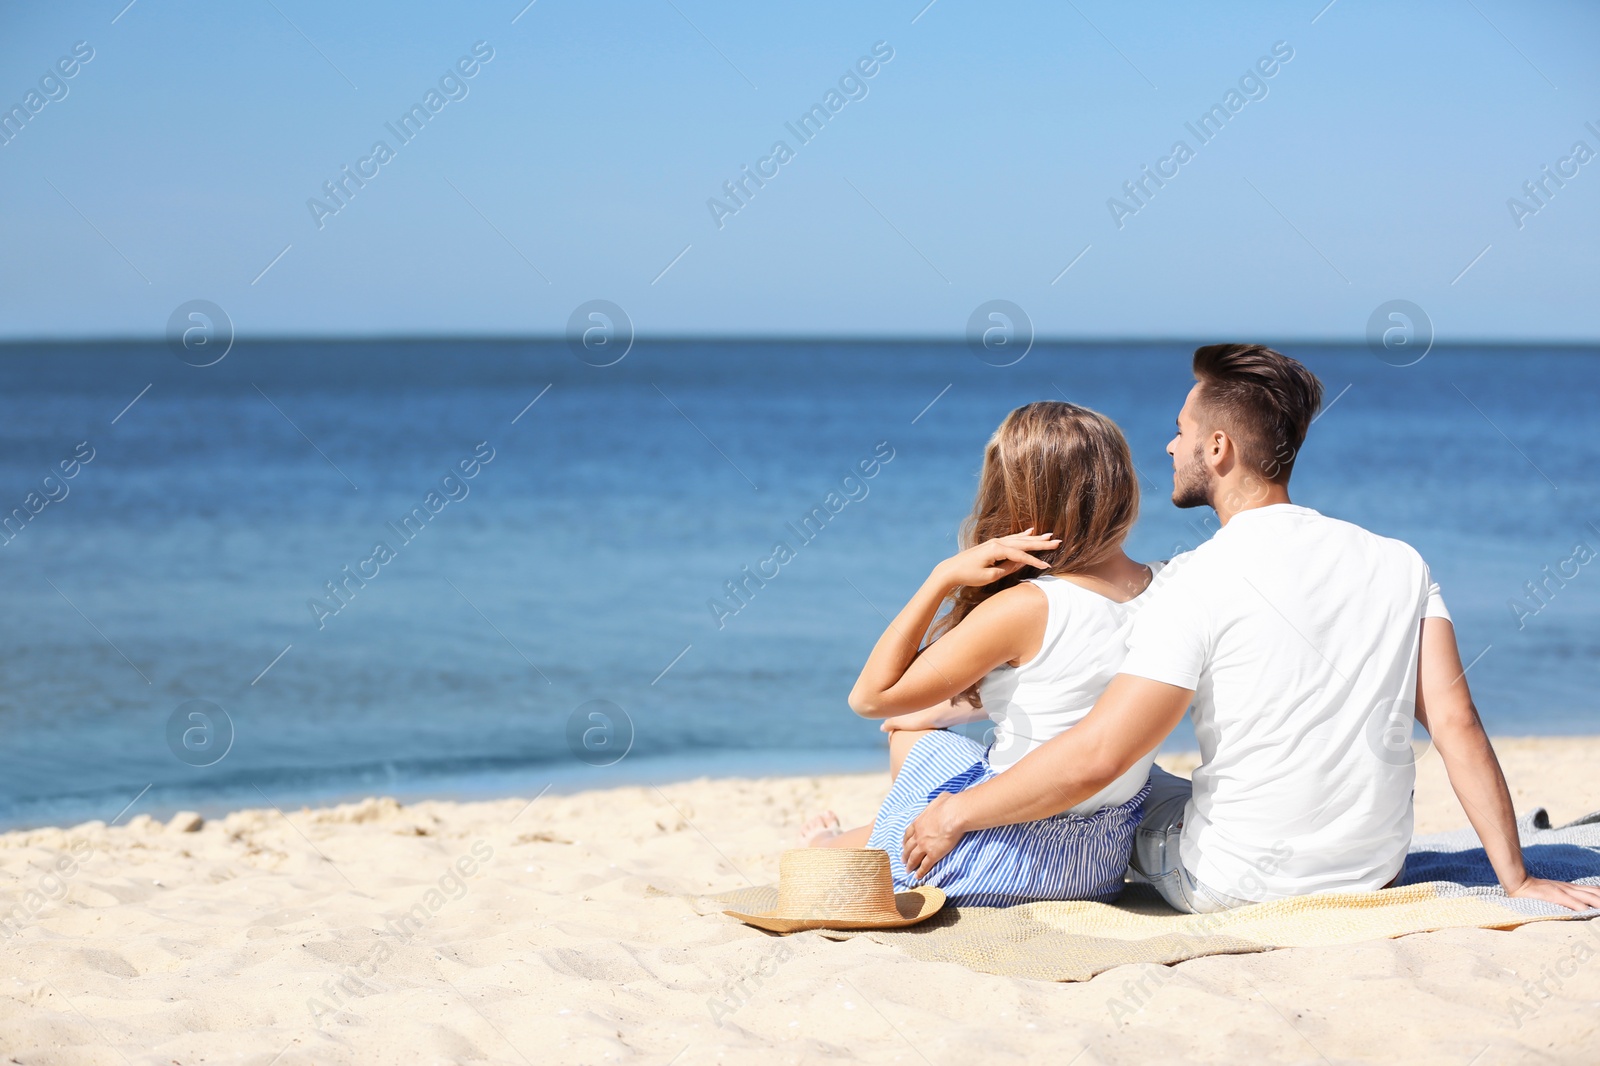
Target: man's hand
[
  {"x": 933, "y": 835},
  {"x": 1577, "y": 897}
]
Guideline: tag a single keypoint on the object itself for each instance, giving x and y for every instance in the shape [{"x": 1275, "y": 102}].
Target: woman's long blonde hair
[{"x": 1060, "y": 469}]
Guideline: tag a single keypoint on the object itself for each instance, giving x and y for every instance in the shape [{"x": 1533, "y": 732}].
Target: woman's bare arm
[
  {"x": 897, "y": 679},
  {"x": 957, "y": 711}
]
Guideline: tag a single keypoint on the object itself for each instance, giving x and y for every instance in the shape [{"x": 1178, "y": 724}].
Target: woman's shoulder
[
  {"x": 1015, "y": 618},
  {"x": 1023, "y": 598},
  {"x": 1022, "y": 608}
]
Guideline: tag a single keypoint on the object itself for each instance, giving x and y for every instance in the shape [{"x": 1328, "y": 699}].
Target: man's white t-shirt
[{"x": 1299, "y": 635}]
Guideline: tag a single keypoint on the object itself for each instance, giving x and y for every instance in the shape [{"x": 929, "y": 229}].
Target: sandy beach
[{"x": 558, "y": 931}]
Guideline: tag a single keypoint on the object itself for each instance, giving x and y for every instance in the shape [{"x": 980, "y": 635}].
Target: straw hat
[{"x": 841, "y": 888}]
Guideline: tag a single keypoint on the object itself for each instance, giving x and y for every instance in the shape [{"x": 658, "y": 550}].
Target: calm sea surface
[{"x": 554, "y": 612}]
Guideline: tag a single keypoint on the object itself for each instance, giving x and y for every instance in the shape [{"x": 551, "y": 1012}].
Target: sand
[{"x": 554, "y": 932}]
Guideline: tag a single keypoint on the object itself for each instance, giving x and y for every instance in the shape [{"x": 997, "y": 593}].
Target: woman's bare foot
[{"x": 817, "y": 832}]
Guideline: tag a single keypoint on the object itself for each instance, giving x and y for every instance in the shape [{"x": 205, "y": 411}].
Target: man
[{"x": 1306, "y": 647}]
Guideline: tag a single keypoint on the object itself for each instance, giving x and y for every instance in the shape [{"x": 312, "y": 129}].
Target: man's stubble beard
[{"x": 1193, "y": 487}]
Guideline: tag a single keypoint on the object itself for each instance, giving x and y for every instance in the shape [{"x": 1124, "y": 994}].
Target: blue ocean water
[{"x": 574, "y": 574}]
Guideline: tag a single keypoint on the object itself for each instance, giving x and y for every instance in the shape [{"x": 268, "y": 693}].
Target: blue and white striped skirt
[{"x": 1066, "y": 856}]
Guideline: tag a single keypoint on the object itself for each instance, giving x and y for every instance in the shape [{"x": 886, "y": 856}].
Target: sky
[{"x": 984, "y": 158}]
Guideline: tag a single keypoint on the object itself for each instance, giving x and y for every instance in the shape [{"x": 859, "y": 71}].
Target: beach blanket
[{"x": 1448, "y": 884}]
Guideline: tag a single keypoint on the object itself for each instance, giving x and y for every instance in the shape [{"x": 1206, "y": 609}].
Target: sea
[{"x": 317, "y": 570}]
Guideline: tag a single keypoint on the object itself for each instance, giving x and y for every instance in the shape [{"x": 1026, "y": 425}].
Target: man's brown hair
[{"x": 1262, "y": 399}]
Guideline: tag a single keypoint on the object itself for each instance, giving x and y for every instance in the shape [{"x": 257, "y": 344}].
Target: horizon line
[{"x": 784, "y": 338}]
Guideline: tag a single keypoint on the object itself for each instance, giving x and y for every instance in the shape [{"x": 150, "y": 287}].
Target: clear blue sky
[{"x": 977, "y": 166}]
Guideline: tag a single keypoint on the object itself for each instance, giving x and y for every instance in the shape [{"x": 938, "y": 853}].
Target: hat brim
[{"x": 919, "y": 904}]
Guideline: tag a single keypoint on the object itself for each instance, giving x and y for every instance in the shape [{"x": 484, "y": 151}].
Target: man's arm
[
  {"x": 1446, "y": 710},
  {"x": 1129, "y": 720}
]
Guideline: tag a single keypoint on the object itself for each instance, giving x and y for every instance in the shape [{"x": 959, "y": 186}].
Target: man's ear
[{"x": 1220, "y": 453}]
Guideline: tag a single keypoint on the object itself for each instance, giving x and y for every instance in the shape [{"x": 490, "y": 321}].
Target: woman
[{"x": 1033, "y": 634}]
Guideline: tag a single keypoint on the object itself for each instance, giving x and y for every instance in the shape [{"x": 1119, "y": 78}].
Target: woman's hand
[{"x": 986, "y": 563}]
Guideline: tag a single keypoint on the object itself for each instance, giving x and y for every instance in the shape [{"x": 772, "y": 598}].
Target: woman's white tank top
[{"x": 1085, "y": 640}]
